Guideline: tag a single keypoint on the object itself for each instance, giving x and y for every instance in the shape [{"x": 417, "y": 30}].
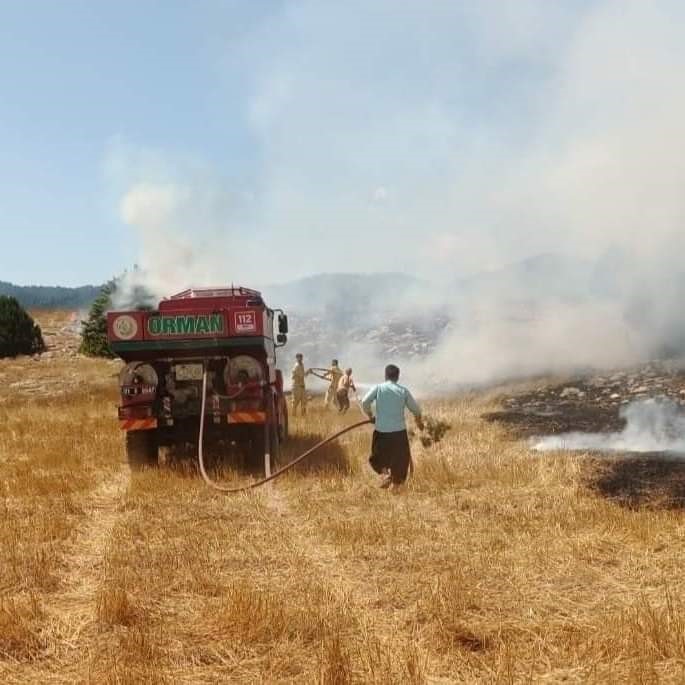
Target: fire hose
[
  {"x": 315, "y": 372},
  {"x": 270, "y": 476}
]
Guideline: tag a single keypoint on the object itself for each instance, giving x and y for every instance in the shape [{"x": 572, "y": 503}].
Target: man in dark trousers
[{"x": 390, "y": 444}]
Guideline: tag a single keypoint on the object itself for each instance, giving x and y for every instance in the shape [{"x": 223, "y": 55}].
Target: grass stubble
[{"x": 496, "y": 565}]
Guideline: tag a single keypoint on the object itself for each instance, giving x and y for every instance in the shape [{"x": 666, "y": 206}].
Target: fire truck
[{"x": 225, "y": 337}]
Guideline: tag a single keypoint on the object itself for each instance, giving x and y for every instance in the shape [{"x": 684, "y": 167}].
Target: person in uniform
[
  {"x": 299, "y": 394},
  {"x": 333, "y": 375},
  {"x": 390, "y": 443},
  {"x": 343, "y": 395}
]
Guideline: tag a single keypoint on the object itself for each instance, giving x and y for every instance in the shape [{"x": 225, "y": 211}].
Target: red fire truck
[{"x": 224, "y": 333}]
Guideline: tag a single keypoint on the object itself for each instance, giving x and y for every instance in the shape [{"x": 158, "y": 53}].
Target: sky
[{"x": 259, "y": 142}]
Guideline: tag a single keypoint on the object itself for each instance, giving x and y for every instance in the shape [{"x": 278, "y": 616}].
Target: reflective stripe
[
  {"x": 137, "y": 424},
  {"x": 246, "y": 417}
]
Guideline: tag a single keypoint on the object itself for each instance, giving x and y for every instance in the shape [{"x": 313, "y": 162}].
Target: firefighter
[
  {"x": 333, "y": 375},
  {"x": 343, "y": 395},
  {"x": 390, "y": 453},
  {"x": 299, "y": 393}
]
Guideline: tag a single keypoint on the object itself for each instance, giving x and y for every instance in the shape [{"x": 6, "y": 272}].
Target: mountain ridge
[
  {"x": 50, "y": 297},
  {"x": 342, "y": 294}
]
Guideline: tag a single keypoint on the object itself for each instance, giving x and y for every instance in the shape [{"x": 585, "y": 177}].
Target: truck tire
[
  {"x": 141, "y": 449},
  {"x": 255, "y": 460}
]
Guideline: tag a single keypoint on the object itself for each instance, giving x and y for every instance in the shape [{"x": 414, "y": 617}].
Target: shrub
[
  {"x": 19, "y": 334},
  {"x": 94, "y": 330}
]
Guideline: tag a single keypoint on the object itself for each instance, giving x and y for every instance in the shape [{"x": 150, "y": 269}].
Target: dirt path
[{"x": 72, "y": 610}]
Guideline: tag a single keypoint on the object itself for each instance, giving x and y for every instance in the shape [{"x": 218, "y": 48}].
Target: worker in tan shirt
[
  {"x": 333, "y": 375},
  {"x": 299, "y": 393}
]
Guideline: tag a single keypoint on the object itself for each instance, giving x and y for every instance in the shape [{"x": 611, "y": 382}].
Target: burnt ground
[
  {"x": 562, "y": 418},
  {"x": 652, "y": 480},
  {"x": 593, "y": 404}
]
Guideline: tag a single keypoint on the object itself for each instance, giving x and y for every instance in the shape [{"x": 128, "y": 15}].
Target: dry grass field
[{"x": 495, "y": 565}]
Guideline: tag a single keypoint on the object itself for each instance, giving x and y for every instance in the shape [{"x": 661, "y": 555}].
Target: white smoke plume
[
  {"x": 189, "y": 234},
  {"x": 651, "y": 426},
  {"x": 448, "y": 140}
]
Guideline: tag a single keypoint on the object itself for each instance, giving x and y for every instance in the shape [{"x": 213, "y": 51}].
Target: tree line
[{"x": 50, "y": 297}]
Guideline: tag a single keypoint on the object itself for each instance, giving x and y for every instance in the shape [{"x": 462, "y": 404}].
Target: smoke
[
  {"x": 446, "y": 140},
  {"x": 651, "y": 426},
  {"x": 186, "y": 237}
]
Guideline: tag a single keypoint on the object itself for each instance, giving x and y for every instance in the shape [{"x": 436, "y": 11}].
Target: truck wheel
[
  {"x": 141, "y": 449},
  {"x": 255, "y": 460}
]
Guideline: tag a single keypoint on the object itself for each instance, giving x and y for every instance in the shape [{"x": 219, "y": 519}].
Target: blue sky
[
  {"x": 73, "y": 77},
  {"x": 263, "y": 141}
]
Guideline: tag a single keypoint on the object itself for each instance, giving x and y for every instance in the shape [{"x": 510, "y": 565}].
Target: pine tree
[
  {"x": 94, "y": 330},
  {"x": 19, "y": 334}
]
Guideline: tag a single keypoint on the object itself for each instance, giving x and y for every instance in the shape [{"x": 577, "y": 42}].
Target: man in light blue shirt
[{"x": 390, "y": 445}]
